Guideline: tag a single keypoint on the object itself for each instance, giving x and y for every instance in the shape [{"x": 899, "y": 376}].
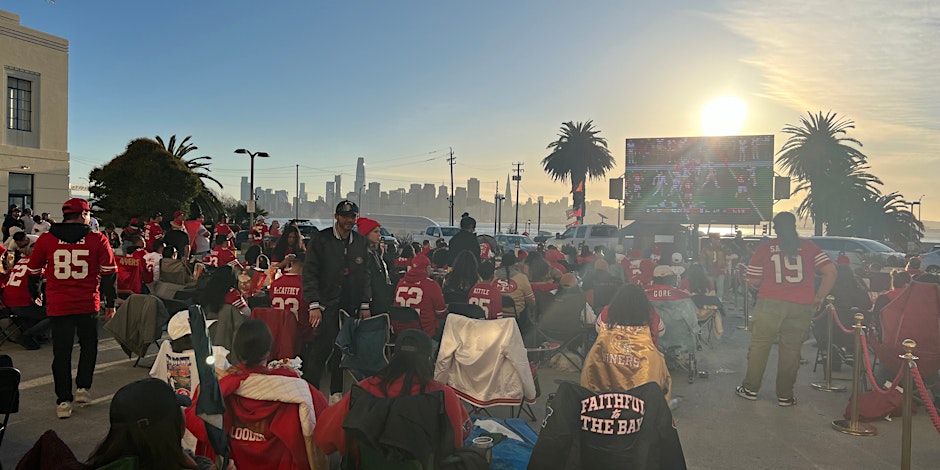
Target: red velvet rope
[
  {"x": 838, "y": 323},
  {"x": 931, "y": 409},
  {"x": 871, "y": 376},
  {"x": 822, "y": 313}
]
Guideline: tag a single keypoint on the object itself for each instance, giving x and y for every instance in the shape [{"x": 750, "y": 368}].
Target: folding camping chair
[
  {"x": 486, "y": 364},
  {"x": 563, "y": 321},
  {"x": 11, "y": 330},
  {"x": 284, "y": 331},
  {"x": 131, "y": 332},
  {"x": 364, "y": 344},
  {"x": 401, "y": 319},
  {"x": 468, "y": 310},
  {"x": 9, "y": 395}
]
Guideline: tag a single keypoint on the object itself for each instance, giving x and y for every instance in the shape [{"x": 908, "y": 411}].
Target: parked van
[{"x": 590, "y": 235}]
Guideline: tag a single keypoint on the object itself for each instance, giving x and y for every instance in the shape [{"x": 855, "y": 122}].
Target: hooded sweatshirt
[
  {"x": 75, "y": 259},
  {"x": 418, "y": 291}
]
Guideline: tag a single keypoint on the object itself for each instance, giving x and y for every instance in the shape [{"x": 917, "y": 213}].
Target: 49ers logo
[{"x": 506, "y": 286}]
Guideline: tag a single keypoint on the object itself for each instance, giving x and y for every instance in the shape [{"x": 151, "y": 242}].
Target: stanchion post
[
  {"x": 827, "y": 385},
  {"x": 747, "y": 307},
  {"x": 853, "y": 426},
  {"x": 909, "y": 358}
]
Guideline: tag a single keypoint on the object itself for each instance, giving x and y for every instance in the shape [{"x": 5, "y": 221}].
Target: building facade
[{"x": 34, "y": 157}]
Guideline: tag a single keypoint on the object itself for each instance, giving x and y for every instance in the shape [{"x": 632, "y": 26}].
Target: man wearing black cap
[
  {"x": 12, "y": 219},
  {"x": 465, "y": 240},
  {"x": 74, "y": 258},
  {"x": 334, "y": 277}
]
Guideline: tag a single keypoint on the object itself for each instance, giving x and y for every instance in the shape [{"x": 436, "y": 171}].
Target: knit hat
[
  {"x": 146, "y": 402},
  {"x": 366, "y": 225}
]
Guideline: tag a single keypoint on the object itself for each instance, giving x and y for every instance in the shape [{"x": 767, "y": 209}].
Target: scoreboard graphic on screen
[{"x": 722, "y": 180}]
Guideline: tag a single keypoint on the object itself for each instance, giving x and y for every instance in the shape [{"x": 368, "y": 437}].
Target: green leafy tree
[
  {"x": 237, "y": 212},
  {"x": 206, "y": 201},
  {"x": 830, "y": 169},
  {"x": 579, "y": 154},
  {"x": 142, "y": 180}
]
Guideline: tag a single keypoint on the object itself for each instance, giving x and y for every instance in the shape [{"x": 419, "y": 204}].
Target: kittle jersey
[
  {"x": 489, "y": 298},
  {"x": 783, "y": 277},
  {"x": 72, "y": 271},
  {"x": 16, "y": 287}
]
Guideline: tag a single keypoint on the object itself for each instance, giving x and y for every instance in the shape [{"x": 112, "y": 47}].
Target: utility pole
[
  {"x": 517, "y": 178},
  {"x": 297, "y": 191},
  {"x": 451, "y": 161},
  {"x": 496, "y": 211}
]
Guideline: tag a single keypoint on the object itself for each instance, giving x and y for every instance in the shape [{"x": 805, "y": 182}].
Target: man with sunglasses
[{"x": 335, "y": 277}]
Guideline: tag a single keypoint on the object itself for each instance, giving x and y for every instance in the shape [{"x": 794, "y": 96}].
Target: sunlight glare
[{"x": 724, "y": 116}]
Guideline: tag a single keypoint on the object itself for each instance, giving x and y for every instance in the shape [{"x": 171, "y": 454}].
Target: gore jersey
[
  {"x": 489, "y": 298},
  {"x": 72, "y": 271},
  {"x": 16, "y": 288},
  {"x": 790, "y": 278}
]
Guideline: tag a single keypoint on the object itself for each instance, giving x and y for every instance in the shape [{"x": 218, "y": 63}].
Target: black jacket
[
  {"x": 335, "y": 272},
  {"x": 632, "y": 429},
  {"x": 382, "y": 289},
  {"x": 463, "y": 241}
]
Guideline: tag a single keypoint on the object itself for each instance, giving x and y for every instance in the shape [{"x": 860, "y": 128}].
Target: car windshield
[
  {"x": 519, "y": 239},
  {"x": 877, "y": 247},
  {"x": 449, "y": 231},
  {"x": 604, "y": 231},
  {"x": 384, "y": 232}
]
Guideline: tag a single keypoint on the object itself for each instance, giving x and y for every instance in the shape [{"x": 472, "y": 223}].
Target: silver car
[
  {"x": 930, "y": 261},
  {"x": 860, "y": 251},
  {"x": 510, "y": 242}
]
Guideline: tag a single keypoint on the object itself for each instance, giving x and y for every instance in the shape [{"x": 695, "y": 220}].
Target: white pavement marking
[
  {"x": 47, "y": 379},
  {"x": 103, "y": 399}
]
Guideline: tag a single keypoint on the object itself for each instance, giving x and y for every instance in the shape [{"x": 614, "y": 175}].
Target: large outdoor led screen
[{"x": 723, "y": 180}]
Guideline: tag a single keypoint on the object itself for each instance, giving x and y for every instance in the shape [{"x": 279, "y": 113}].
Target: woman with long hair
[
  {"x": 222, "y": 289},
  {"x": 289, "y": 245},
  {"x": 624, "y": 355},
  {"x": 462, "y": 278},
  {"x": 147, "y": 426},
  {"x": 410, "y": 372}
]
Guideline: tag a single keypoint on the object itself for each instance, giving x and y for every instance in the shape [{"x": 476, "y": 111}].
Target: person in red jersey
[
  {"x": 153, "y": 232},
  {"x": 258, "y": 231},
  {"x": 221, "y": 254},
  {"x": 75, "y": 259},
  {"x": 27, "y": 312},
  {"x": 784, "y": 271},
  {"x": 130, "y": 266},
  {"x": 486, "y": 293},
  {"x": 418, "y": 291},
  {"x": 223, "y": 228}
]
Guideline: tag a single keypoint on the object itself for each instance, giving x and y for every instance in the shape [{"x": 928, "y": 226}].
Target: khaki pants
[{"x": 786, "y": 322}]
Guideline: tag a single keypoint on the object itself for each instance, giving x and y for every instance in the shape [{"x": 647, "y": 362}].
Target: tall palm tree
[
  {"x": 828, "y": 165},
  {"x": 206, "y": 202},
  {"x": 579, "y": 154},
  {"x": 886, "y": 217}
]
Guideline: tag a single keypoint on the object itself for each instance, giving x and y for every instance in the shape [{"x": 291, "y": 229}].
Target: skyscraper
[
  {"x": 473, "y": 190},
  {"x": 337, "y": 189},
  {"x": 360, "y": 183},
  {"x": 508, "y": 193},
  {"x": 330, "y": 194},
  {"x": 303, "y": 192},
  {"x": 246, "y": 189}
]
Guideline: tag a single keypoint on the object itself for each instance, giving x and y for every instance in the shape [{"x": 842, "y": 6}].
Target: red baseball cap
[
  {"x": 74, "y": 205},
  {"x": 178, "y": 214},
  {"x": 420, "y": 262}
]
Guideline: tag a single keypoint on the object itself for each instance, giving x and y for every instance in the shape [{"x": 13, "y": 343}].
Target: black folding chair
[
  {"x": 9, "y": 395},
  {"x": 408, "y": 315},
  {"x": 10, "y": 331},
  {"x": 468, "y": 310},
  {"x": 509, "y": 305}
]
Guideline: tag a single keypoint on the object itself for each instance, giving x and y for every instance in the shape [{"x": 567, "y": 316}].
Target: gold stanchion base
[
  {"x": 861, "y": 429},
  {"x": 823, "y": 387}
]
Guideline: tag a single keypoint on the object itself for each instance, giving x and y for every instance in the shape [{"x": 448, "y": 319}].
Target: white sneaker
[
  {"x": 82, "y": 397},
  {"x": 64, "y": 410},
  {"x": 335, "y": 398}
]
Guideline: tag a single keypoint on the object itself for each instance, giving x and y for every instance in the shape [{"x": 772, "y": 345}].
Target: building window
[
  {"x": 21, "y": 189},
  {"x": 19, "y": 104}
]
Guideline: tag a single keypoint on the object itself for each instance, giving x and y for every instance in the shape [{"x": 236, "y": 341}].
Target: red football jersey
[
  {"x": 640, "y": 271},
  {"x": 489, "y": 298},
  {"x": 783, "y": 277},
  {"x": 129, "y": 270},
  {"x": 235, "y": 298},
  {"x": 426, "y": 297},
  {"x": 220, "y": 256},
  {"x": 224, "y": 229},
  {"x": 152, "y": 234},
  {"x": 16, "y": 287},
  {"x": 287, "y": 293},
  {"x": 258, "y": 232},
  {"x": 73, "y": 271}
]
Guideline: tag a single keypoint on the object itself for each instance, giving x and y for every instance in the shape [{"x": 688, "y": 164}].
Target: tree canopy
[
  {"x": 577, "y": 155},
  {"x": 146, "y": 178}
]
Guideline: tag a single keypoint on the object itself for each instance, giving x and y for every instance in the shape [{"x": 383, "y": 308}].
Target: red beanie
[{"x": 366, "y": 225}]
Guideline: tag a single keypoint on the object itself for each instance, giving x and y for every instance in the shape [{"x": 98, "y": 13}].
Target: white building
[{"x": 34, "y": 157}]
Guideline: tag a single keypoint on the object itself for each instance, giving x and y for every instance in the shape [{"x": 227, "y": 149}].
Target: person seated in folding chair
[
  {"x": 270, "y": 412},
  {"x": 175, "y": 363},
  {"x": 28, "y": 315},
  {"x": 418, "y": 291},
  {"x": 706, "y": 301},
  {"x": 409, "y": 373},
  {"x": 515, "y": 284},
  {"x": 624, "y": 356},
  {"x": 486, "y": 293}
]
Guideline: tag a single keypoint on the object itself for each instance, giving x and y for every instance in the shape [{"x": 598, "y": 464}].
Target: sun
[{"x": 724, "y": 116}]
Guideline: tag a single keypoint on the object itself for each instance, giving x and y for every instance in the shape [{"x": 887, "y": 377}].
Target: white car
[{"x": 860, "y": 251}]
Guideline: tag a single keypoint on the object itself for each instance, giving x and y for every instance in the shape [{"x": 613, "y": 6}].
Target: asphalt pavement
[{"x": 718, "y": 430}]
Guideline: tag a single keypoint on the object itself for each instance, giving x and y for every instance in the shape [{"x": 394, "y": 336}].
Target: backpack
[{"x": 464, "y": 459}]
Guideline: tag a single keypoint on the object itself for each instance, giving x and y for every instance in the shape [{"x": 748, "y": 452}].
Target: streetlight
[{"x": 251, "y": 202}]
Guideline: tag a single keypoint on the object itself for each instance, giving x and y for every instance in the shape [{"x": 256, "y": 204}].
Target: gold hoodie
[{"x": 623, "y": 357}]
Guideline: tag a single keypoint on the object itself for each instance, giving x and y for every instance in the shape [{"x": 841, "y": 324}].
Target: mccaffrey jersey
[
  {"x": 287, "y": 293},
  {"x": 72, "y": 271},
  {"x": 16, "y": 288},
  {"x": 790, "y": 278}
]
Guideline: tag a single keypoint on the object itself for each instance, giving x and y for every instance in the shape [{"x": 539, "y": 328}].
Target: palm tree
[
  {"x": 886, "y": 217},
  {"x": 578, "y": 155},
  {"x": 828, "y": 166},
  {"x": 207, "y": 202}
]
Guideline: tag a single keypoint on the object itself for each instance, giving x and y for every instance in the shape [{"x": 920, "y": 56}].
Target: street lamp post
[{"x": 251, "y": 202}]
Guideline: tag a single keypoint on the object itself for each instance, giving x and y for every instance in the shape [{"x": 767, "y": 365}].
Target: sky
[{"x": 319, "y": 84}]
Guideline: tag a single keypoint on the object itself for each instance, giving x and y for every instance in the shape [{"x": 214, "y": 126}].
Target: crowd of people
[{"x": 58, "y": 282}]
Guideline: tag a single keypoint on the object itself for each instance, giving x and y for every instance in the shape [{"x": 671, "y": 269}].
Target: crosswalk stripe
[{"x": 47, "y": 379}]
